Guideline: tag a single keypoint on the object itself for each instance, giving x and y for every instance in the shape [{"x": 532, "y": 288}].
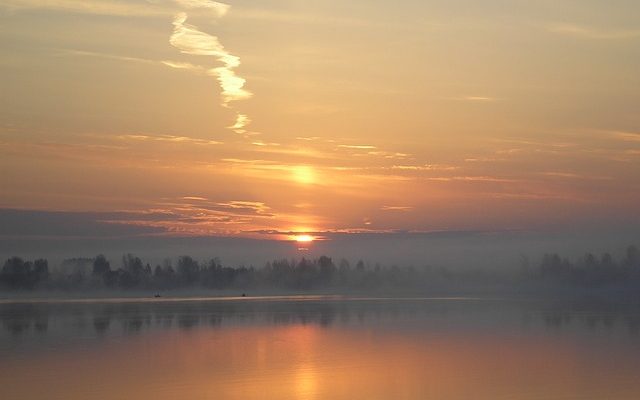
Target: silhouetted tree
[
  {"x": 19, "y": 274},
  {"x": 101, "y": 266},
  {"x": 188, "y": 269},
  {"x": 632, "y": 258}
]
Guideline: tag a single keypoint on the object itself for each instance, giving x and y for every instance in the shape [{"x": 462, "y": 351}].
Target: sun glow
[
  {"x": 304, "y": 174},
  {"x": 304, "y": 238}
]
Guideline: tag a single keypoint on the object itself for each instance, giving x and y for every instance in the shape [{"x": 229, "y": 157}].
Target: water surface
[{"x": 318, "y": 348}]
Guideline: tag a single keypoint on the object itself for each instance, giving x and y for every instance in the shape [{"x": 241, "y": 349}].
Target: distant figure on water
[
  {"x": 157, "y": 295},
  {"x": 244, "y": 295}
]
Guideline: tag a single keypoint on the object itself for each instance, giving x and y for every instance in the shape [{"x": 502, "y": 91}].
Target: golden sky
[{"x": 272, "y": 116}]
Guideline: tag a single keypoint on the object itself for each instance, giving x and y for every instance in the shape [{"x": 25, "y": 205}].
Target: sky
[{"x": 266, "y": 119}]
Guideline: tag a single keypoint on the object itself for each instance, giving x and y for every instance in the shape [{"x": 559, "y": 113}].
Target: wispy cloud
[
  {"x": 195, "y": 215},
  {"x": 102, "y": 7},
  {"x": 169, "y": 138},
  {"x": 425, "y": 167},
  {"x": 148, "y": 8},
  {"x": 232, "y": 85},
  {"x": 109, "y": 56},
  {"x": 357, "y": 147},
  {"x": 194, "y": 198},
  {"x": 479, "y": 99},
  {"x": 265, "y": 144},
  {"x": 259, "y": 208},
  {"x": 189, "y": 40},
  {"x": 473, "y": 179},
  {"x": 396, "y": 208},
  {"x": 219, "y": 8},
  {"x": 242, "y": 121},
  {"x": 572, "y": 175},
  {"x": 184, "y": 65},
  {"x": 625, "y": 136},
  {"x": 593, "y": 33}
]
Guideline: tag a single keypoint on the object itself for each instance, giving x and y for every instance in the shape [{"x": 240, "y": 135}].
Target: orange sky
[{"x": 204, "y": 118}]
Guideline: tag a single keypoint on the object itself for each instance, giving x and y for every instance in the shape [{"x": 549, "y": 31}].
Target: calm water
[{"x": 318, "y": 348}]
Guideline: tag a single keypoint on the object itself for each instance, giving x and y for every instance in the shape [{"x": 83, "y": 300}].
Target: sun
[
  {"x": 304, "y": 238},
  {"x": 304, "y": 174}
]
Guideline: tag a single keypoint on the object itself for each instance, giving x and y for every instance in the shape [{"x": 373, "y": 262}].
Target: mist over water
[
  {"x": 318, "y": 348},
  {"x": 473, "y": 249}
]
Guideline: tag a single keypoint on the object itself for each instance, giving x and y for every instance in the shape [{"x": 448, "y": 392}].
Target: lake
[{"x": 318, "y": 347}]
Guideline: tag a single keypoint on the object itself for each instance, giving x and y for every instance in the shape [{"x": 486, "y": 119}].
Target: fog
[{"x": 503, "y": 249}]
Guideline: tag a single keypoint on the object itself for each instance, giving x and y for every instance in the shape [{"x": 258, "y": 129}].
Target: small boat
[{"x": 157, "y": 295}]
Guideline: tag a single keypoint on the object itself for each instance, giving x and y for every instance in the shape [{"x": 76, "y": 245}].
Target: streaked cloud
[
  {"x": 265, "y": 144},
  {"x": 396, "y": 208},
  {"x": 219, "y": 8},
  {"x": 116, "y": 57},
  {"x": 425, "y": 167},
  {"x": 194, "y": 198},
  {"x": 242, "y": 121},
  {"x": 357, "y": 147},
  {"x": 389, "y": 154},
  {"x": 102, "y": 7},
  {"x": 189, "y": 40},
  {"x": 196, "y": 215},
  {"x": 626, "y": 136},
  {"x": 593, "y": 33},
  {"x": 169, "y": 138},
  {"x": 256, "y": 206},
  {"x": 184, "y": 65},
  {"x": 476, "y": 99},
  {"x": 473, "y": 179},
  {"x": 572, "y": 175},
  {"x": 131, "y": 8}
]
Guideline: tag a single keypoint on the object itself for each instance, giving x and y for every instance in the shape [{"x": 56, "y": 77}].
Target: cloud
[
  {"x": 571, "y": 175},
  {"x": 389, "y": 155},
  {"x": 189, "y": 40},
  {"x": 424, "y": 167},
  {"x": 396, "y": 208},
  {"x": 479, "y": 99},
  {"x": 232, "y": 85},
  {"x": 169, "y": 138},
  {"x": 258, "y": 207},
  {"x": 592, "y": 33},
  {"x": 184, "y": 65},
  {"x": 116, "y": 57},
  {"x": 473, "y": 179},
  {"x": 193, "y": 215},
  {"x": 130, "y": 8},
  {"x": 265, "y": 144},
  {"x": 194, "y": 198},
  {"x": 357, "y": 147},
  {"x": 242, "y": 121},
  {"x": 92, "y": 7},
  {"x": 36, "y": 223},
  {"x": 219, "y": 8},
  {"x": 626, "y": 136}
]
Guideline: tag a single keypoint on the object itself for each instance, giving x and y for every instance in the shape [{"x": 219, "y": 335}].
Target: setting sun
[
  {"x": 304, "y": 238},
  {"x": 303, "y": 174}
]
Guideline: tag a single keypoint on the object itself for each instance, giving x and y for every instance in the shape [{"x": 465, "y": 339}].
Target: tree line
[{"x": 308, "y": 274}]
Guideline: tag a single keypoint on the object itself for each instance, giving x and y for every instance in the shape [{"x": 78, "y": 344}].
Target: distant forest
[{"x": 132, "y": 273}]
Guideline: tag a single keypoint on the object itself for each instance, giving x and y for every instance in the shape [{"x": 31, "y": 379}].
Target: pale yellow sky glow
[{"x": 260, "y": 118}]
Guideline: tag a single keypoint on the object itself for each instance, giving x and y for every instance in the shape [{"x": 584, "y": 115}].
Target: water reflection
[
  {"x": 319, "y": 349},
  {"x": 132, "y": 317}
]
